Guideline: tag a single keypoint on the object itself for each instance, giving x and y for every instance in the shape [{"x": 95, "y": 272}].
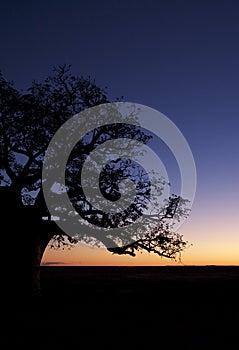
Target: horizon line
[{"x": 60, "y": 264}]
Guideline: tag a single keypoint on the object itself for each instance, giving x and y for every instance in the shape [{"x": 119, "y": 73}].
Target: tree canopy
[{"x": 28, "y": 122}]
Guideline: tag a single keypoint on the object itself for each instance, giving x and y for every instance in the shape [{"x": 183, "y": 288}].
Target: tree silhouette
[{"x": 28, "y": 121}]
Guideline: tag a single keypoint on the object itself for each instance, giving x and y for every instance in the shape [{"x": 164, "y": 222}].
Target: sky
[{"x": 177, "y": 57}]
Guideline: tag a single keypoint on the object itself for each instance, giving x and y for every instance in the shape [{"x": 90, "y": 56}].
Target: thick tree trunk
[
  {"x": 23, "y": 270},
  {"x": 23, "y": 243},
  {"x": 24, "y": 238}
]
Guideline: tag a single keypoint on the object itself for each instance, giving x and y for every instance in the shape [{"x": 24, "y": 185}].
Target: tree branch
[{"x": 8, "y": 169}]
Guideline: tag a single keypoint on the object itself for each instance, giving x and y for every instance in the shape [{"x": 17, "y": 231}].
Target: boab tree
[{"x": 28, "y": 121}]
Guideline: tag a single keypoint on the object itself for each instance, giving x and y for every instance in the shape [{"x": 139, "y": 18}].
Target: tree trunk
[
  {"x": 24, "y": 238},
  {"x": 22, "y": 241},
  {"x": 23, "y": 271}
]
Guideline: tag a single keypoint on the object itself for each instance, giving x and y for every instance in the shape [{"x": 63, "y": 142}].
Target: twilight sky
[{"x": 178, "y": 57}]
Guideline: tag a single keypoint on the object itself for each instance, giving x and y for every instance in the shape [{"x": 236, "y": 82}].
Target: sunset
[
  {"x": 119, "y": 127},
  {"x": 179, "y": 58}
]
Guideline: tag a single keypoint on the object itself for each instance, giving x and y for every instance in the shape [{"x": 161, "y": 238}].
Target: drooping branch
[
  {"x": 161, "y": 244},
  {"x": 159, "y": 239}
]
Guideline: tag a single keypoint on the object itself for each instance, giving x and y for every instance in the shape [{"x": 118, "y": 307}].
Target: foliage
[{"x": 29, "y": 120}]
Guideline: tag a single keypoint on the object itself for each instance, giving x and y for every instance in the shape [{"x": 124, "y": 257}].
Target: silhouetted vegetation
[{"x": 28, "y": 121}]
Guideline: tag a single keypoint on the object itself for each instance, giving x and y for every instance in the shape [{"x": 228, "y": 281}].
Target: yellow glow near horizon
[
  {"x": 213, "y": 233},
  {"x": 201, "y": 253}
]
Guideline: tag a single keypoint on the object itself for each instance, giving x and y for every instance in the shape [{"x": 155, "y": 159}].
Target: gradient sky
[{"x": 178, "y": 57}]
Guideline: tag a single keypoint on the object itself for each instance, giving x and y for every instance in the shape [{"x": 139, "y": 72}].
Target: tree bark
[{"x": 23, "y": 244}]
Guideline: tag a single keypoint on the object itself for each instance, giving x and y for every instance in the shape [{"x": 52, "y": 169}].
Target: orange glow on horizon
[
  {"x": 214, "y": 236},
  {"x": 82, "y": 255}
]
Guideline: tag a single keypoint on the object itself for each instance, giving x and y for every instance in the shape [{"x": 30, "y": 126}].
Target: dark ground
[{"x": 138, "y": 307}]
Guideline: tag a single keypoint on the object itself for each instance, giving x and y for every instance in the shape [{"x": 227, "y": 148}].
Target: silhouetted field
[{"x": 186, "y": 306}]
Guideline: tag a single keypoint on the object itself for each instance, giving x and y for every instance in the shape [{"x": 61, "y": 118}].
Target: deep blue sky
[{"x": 179, "y": 57}]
